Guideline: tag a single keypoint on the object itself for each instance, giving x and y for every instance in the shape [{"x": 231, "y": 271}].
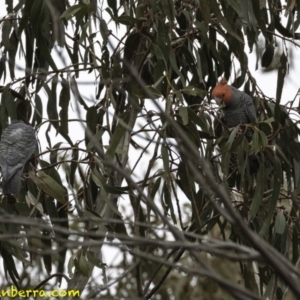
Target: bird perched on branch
[
  {"x": 239, "y": 107},
  {"x": 18, "y": 143}
]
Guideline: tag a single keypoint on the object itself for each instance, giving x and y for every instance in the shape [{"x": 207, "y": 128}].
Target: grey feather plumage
[
  {"x": 18, "y": 143},
  {"x": 240, "y": 110}
]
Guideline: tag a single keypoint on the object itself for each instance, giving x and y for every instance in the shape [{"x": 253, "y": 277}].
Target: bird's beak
[{"x": 218, "y": 100}]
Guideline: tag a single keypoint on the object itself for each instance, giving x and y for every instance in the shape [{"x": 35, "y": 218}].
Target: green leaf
[
  {"x": 50, "y": 208},
  {"x": 75, "y": 10},
  {"x": 127, "y": 20},
  {"x": 163, "y": 40},
  {"x": 93, "y": 217},
  {"x": 270, "y": 288},
  {"x": 83, "y": 36},
  {"x": 261, "y": 17},
  {"x": 263, "y": 141},
  {"x": 45, "y": 50},
  {"x": 8, "y": 102},
  {"x": 100, "y": 182},
  {"x": 232, "y": 137},
  {"x": 120, "y": 227},
  {"x": 226, "y": 157},
  {"x": 208, "y": 41},
  {"x": 282, "y": 155},
  {"x": 169, "y": 9},
  {"x": 280, "y": 81},
  {"x": 104, "y": 31},
  {"x": 131, "y": 44},
  {"x": 46, "y": 244},
  {"x": 174, "y": 65},
  {"x": 242, "y": 160},
  {"x": 165, "y": 157},
  {"x": 237, "y": 141},
  {"x": 113, "y": 5},
  {"x": 38, "y": 111},
  {"x": 71, "y": 265},
  {"x": 255, "y": 142},
  {"x": 92, "y": 119},
  {"x": 280, "y": 223},
  {"x": 53, "y": 155},
  {"x": 3, "y": 67},
  {"x": 236, "y": 5},
  {"x": 6, "y": 29},
  {"x": 184, "y": 114},
  {"x": 267, "y": 56},
  {"x": 216, "y": 10},
  {"x": 52, "y": 102},
  {"x": 105, "y": 63},
  {"x": 295, "y": 241},
  {"x": 50, "y": 186},
  {"x": 269, "y": 120},
  {"x": 95, "y": 139},
  {"x": 119, "y": 133},
  {"x": 155, "y": 93},
  {"x": 9, "y": 265},
  {"x": 186, "y": 183},
  {"x": 64, "y": 99},
  {"x": 75, "y": 91},
  {"x": 191, "y": 90},
  {"x": 198, "y": 119},
  {"x": 97, "y": 178},
  {"x": 12, "y": 52},
  {"x": 74, "y": 164},
  {"x": 259, "y": 191},
  {"x": 275, "y": 193},
  {"x": 94, "y": 260},
  {"x": 297, "y": 189},
  {"x": 168, "y": 201},
  {"x": 204, "y": 8},
  {"x": 158, "y": 52},
  {"x": 83, "y": 265},
  {"x": 155, "y": 188}
]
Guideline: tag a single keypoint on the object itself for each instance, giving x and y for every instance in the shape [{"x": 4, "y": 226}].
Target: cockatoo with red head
[
  {"x": 238, "y": 109},
  {"x": 238, "y": 106}
]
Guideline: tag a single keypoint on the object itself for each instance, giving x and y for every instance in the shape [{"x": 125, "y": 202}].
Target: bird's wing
[
  {"x": 18, "y": 143},
  {"x": 13, "y": 185}
]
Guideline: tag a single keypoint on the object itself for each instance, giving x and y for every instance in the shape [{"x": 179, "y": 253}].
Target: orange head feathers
[{"x": 222, "y": 91}]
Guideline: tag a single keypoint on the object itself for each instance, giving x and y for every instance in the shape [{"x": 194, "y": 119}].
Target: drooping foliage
[{"x": 134, "y": 153}]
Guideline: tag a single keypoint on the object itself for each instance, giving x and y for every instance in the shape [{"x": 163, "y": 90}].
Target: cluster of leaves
[{"x": 143, "y": 54}]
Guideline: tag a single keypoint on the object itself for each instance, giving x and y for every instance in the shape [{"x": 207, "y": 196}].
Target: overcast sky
[{"x": 267, "y": 82}]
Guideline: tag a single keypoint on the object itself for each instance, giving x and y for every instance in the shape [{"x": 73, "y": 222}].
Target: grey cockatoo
[
  {"x": 18, "y": 143},
  {"x": 239, "y": 107}
]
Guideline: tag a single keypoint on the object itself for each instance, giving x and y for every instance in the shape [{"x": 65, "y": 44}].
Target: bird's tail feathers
[
  {"x": 12, "y": 185},
  {"x": 9, "y": 171}
]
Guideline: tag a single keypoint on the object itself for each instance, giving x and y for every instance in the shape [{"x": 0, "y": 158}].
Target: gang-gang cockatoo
[
  {"x": 18, "y": 143},
  {"x": 238, "y": 109}
]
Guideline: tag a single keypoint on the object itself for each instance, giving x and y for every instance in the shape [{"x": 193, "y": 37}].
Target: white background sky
[{"x": 267, "y": 82}]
